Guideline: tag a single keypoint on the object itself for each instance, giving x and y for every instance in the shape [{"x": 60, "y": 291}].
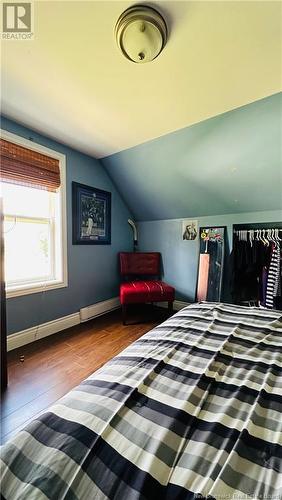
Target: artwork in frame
[
  {"x": 91, "y": 215},
  {"x": 189, "y": 230}
]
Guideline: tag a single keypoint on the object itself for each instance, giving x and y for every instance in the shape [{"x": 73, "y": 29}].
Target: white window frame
[{"x": 26, "y": 288}]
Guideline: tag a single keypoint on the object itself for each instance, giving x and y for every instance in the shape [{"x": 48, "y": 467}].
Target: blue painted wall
[
  {"x": 222, "y": 171},
  {"x": 92, "y": 270},
  {"x": 180, "y": 258},
  {"x": 227, "y": 164}
]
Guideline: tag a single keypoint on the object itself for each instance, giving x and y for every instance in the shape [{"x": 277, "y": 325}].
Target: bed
[{"x": 190, "y": 410}]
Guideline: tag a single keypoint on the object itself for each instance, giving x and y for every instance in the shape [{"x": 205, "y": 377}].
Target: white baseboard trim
[
  {"x": 98, "y": 309},
  {"x": 29, "y": 335},
  {"x": 177, "y": 304},
  {"x": 23, "y": 337}
]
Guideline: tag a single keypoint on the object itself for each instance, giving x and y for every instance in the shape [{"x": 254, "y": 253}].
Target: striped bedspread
[{"x": 191, "y": 410}]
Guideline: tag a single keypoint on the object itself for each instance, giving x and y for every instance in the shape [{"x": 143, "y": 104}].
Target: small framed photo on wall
[
  {"x": 190, "y": 231},
  {"x": 91, "y": 215}
]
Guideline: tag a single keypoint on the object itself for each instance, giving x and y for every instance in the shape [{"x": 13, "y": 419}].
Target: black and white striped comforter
[{"x": 191, "y": 409}]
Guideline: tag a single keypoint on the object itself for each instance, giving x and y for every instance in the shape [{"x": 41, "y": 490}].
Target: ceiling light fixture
[{"x": 141, "y": 33}]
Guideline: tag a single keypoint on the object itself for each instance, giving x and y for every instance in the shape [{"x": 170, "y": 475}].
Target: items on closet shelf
[{"x": 256, "y": 267}]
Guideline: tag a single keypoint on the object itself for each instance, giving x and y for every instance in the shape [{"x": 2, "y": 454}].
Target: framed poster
[
  {"x": 91, "y": 215},
  {"x": 189, "y": 230}
]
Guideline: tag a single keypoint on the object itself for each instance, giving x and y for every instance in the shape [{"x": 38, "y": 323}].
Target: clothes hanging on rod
[
  {"x": 256, "y": 267},
  {"x": 273, "y": 278}
]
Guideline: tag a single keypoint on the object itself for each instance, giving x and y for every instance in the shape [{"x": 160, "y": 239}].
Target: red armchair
[{"x": 136, "y": 268}]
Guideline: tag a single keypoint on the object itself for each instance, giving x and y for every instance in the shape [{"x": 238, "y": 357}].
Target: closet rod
[
  {"x": 258, "y": 225},
  {"x": 237, "y": 231}
]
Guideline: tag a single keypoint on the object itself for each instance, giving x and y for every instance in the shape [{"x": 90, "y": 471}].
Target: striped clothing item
[
  {"x": 277, "y": 285},
  {"x": 190, "y": 410},
  {"x": 274, "y": 277}
]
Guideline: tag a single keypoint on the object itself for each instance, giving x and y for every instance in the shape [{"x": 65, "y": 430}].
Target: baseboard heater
[
  {"x": 90, "y": 312},
  {"x": 42, "y": 330}
]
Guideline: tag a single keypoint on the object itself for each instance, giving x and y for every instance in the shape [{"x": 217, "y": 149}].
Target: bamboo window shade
[{"x": 20, "y": 165}]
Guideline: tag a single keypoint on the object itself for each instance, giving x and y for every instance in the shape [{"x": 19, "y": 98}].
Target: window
[{"x": 34, "y": 230}]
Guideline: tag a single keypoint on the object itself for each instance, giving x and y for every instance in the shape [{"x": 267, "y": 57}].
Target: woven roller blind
[{"x": 26, "y": 167}]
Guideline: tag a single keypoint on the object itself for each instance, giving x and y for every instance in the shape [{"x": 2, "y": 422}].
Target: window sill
[{"x": 35, "y": 288}]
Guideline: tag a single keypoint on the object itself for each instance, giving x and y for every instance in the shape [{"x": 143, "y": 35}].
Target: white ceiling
[{"x": 72, "y": 84}]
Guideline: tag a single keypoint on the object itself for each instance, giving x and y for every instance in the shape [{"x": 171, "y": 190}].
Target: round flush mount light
[{"x": 141, "y": 33}]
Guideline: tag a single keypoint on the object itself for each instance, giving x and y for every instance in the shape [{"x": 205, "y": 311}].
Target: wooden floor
[{"x": 54, "y": 365}]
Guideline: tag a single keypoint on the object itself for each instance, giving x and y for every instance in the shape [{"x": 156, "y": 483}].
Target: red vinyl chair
[{"x": 141, "y": 274}]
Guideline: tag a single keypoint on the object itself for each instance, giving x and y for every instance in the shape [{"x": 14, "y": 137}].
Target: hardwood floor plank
[
  {"x": 54, "y": 365},
  {"x": 42, "y": 402}
]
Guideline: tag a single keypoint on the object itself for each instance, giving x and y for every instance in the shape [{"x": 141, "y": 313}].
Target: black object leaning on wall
[
  {"x": 211, "y": 263},
  {"x": 3, "y": 334}
]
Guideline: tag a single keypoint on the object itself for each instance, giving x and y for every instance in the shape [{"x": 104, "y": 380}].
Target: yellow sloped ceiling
[{"x": 73, "y": 84}]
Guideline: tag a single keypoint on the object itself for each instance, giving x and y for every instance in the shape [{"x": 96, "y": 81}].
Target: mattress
[{"x": 190, "y": 410}]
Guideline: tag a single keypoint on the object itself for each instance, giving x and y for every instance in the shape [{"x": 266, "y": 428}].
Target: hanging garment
[
  {"x": 203, "y": 277},
  {"x": 264, "y": 276},
  {"x": 247, "y": 262},
  {"x": 273, "y": 279},
  {"x": 277, "y": 283},
  {"x": 244, "y": 286},
  {"x": 277, "y": 301}
]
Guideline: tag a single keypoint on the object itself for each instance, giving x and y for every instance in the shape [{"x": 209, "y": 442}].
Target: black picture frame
[{"x": 91, "y": 215}]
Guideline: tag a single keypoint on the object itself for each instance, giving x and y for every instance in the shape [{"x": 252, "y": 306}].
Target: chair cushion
[{"x": 134, "y": 292}]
